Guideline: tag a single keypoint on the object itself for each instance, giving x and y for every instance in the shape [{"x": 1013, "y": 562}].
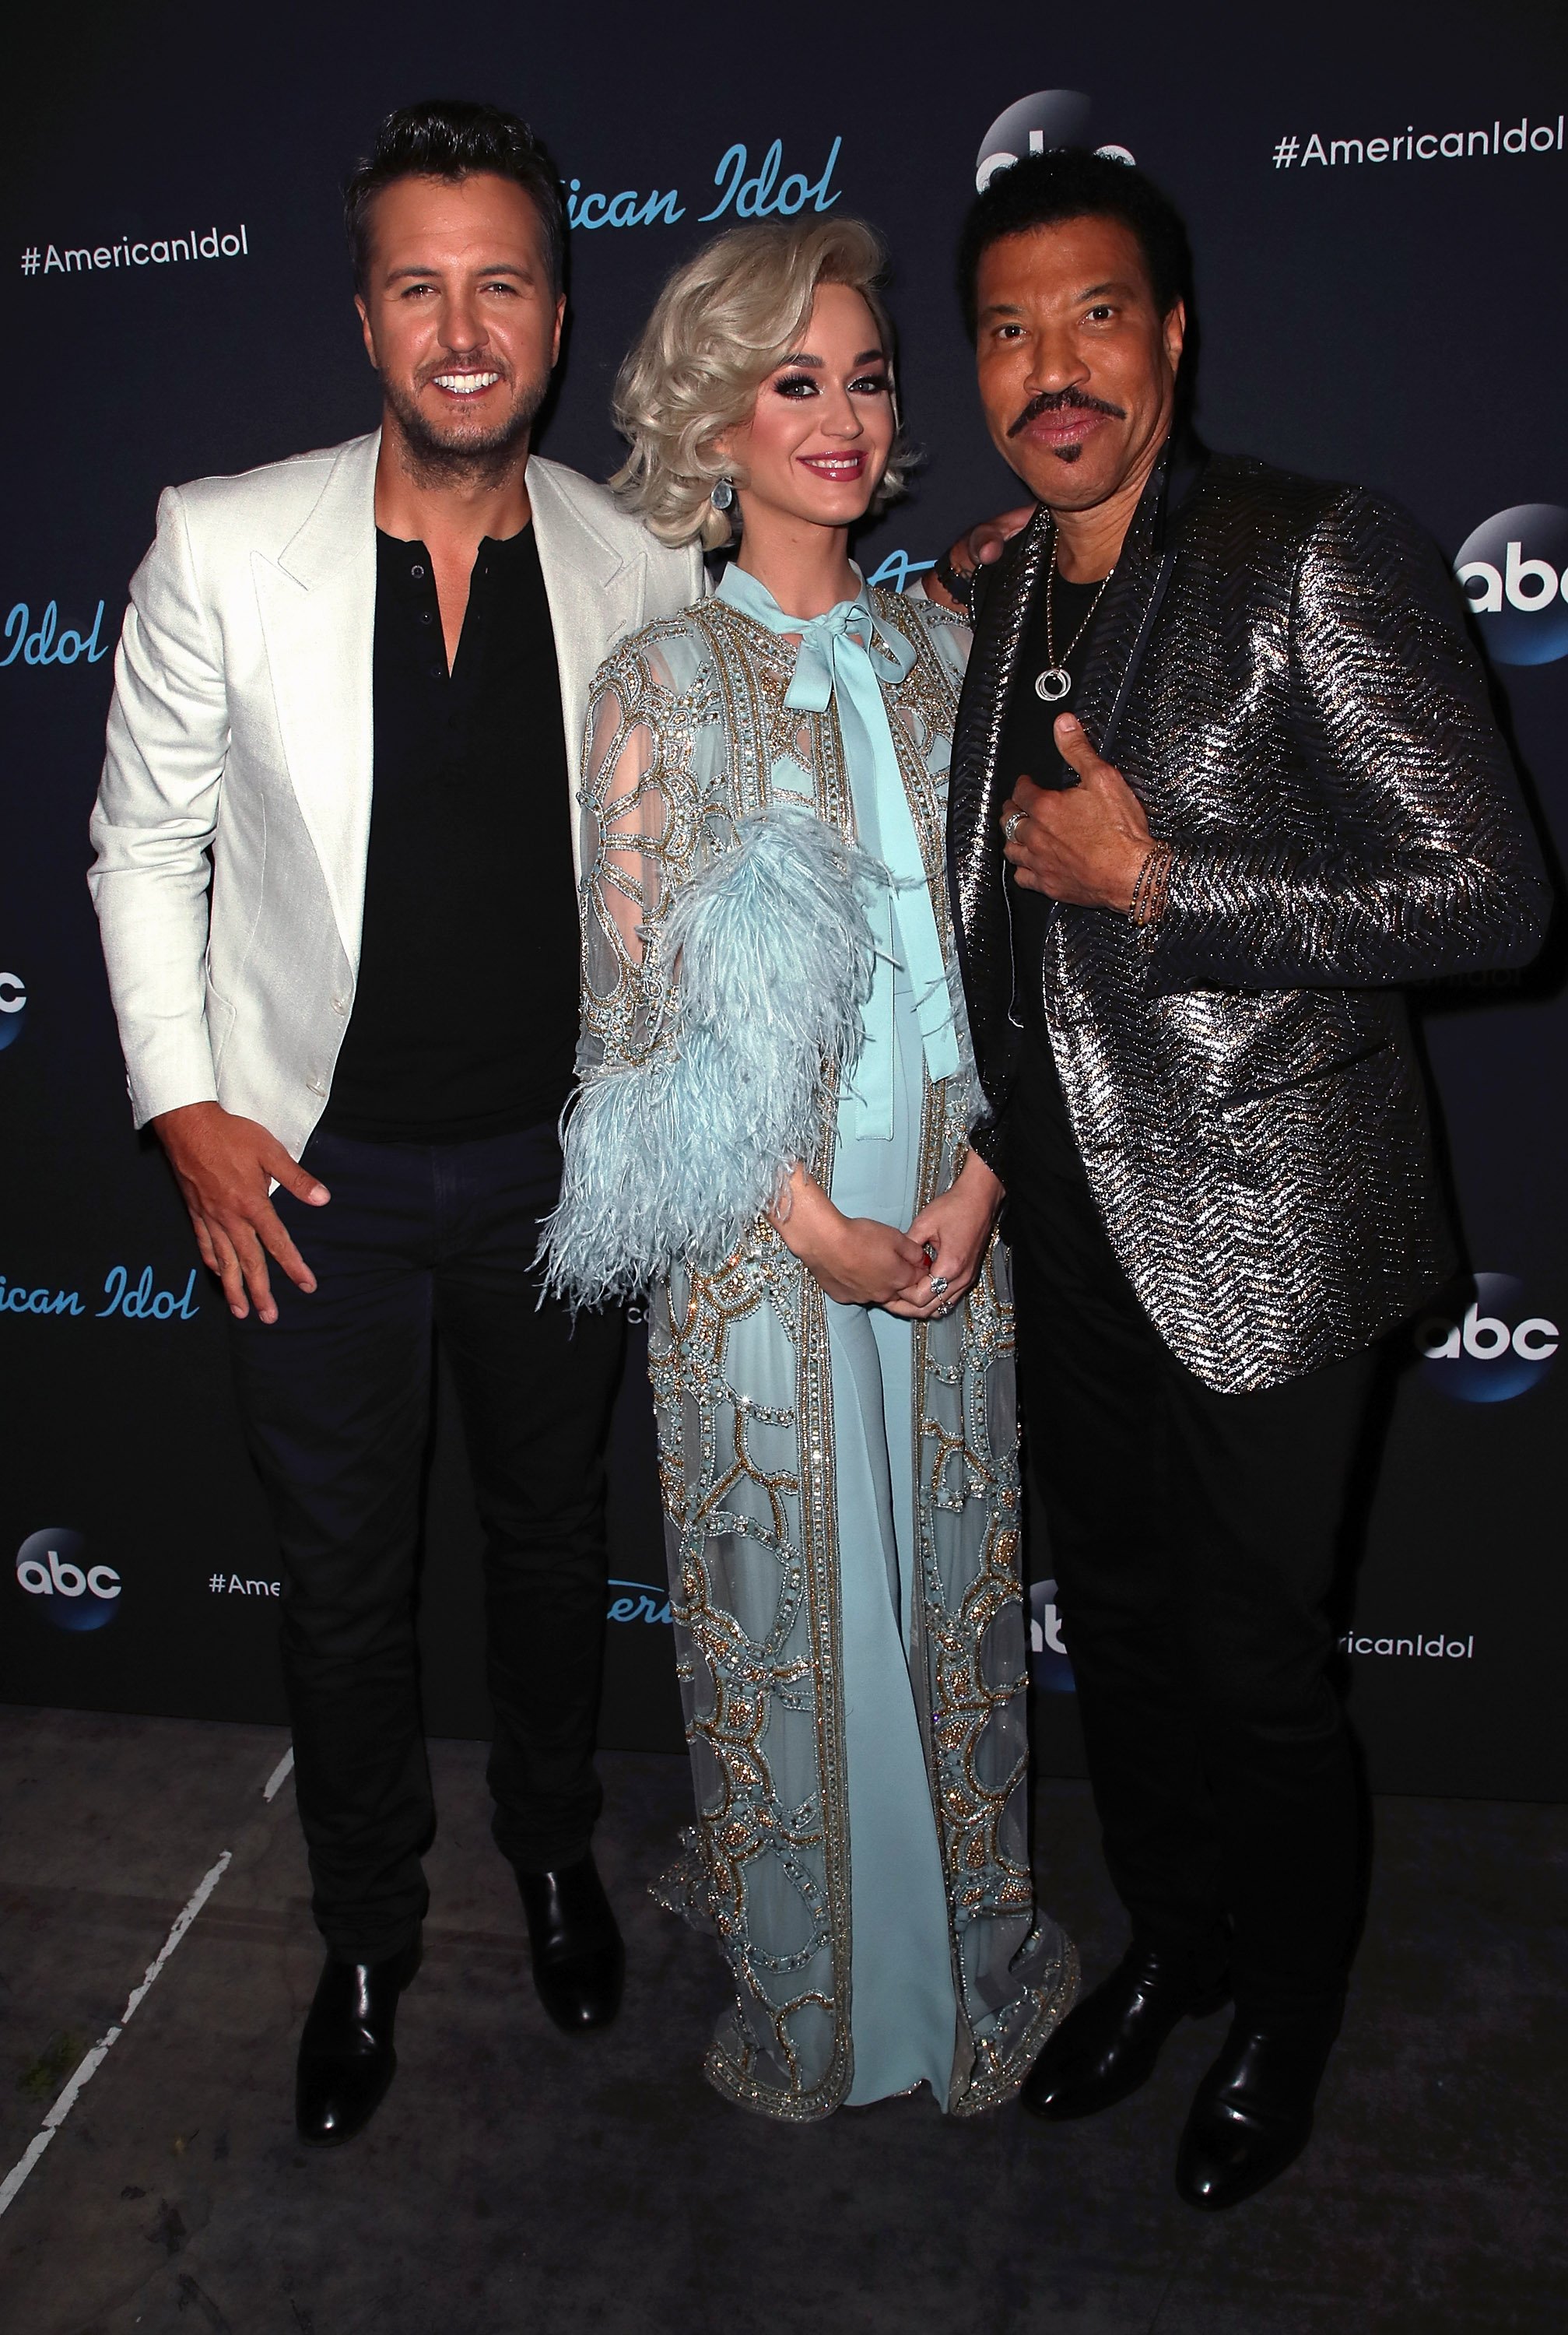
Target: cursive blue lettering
[
  {"x": 667, "y": 207},
  {"x": 736, "y": 156},
  {"x": 37, "y": 1301},
  {"x": 37, "y": 649},
  {"x": 628, "y": 208},
  {"x": 139, "y": 1301},
  {"x": 821, "y": 200},
  {"x": 41, "y": 647},
  {"x": 895, "y": 570},
  {"x": 649, "y": 1605},
  {"x": 755, "y": 198}
]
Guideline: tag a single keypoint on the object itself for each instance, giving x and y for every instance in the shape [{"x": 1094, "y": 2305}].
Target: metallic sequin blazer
[{"x": 1281, "y": 674}]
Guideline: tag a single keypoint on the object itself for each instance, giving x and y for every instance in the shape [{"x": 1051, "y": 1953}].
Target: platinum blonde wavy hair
[{"x": 722, "y": 322}]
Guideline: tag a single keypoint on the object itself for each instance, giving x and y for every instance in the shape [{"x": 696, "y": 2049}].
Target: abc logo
[
  {"x": 1487, "y": 1348},
  {"x": 1514, "y": 572},
  {"x": 1048, "y": 1663},
  {"x": 12, "y": 1007},
  {"x": 74, "y": 1595},
  {"x": 1051, "y": 117}
]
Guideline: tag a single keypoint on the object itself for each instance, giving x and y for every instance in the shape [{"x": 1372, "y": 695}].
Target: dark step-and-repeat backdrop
[{"x": 1377, "y": 197}]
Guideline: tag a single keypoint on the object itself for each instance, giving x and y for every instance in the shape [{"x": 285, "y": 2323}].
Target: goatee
[{"x": 483, "y": 459}]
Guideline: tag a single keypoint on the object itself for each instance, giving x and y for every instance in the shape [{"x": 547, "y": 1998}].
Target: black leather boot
[
  {"x": 1107, "y": 2045},
  {"x": 579, "y": 1961},
  {"x": 346, "y": 2061},
  {"x": 1252, "y": 2114}
]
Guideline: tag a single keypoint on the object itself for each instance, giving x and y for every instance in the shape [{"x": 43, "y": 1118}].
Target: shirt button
[
  {"x": 316, "y": 1086},
  {"x": 340, "y": 1005},
  {"x": 416, "y": 571},
  {"x": 424, "y": 615},
  {"x": 437, "y": 672}
]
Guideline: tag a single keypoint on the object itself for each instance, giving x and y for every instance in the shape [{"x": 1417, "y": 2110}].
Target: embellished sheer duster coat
[{"x": 725, "y": 892}]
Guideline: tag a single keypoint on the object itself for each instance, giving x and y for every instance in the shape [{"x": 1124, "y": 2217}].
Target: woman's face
[{"x": 822, "y": 428}]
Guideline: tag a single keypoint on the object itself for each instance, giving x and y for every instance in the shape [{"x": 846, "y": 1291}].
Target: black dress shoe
[
  {"x": 346, "y": 2061},
  {"x": 1252, "y": 2114},
  {"x": 579, "y": 1961},
  {"x": 1107, "y": 2045}
]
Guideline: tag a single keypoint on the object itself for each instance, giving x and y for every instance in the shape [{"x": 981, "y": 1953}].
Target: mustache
[{"x": 1055, "y": 401}]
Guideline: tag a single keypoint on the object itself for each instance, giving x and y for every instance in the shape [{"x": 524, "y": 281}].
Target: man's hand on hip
[
  {"x": 223, "y": 1165},
  {"x": 1084, "y": 844}
]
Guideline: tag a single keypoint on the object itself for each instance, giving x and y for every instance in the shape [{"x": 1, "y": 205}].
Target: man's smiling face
[
  {"x": 1077, "y": 366},
  {"x": 460, "y": 317}
]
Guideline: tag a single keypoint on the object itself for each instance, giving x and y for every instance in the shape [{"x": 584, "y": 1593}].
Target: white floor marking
[{"x": 94, "y": 2060}]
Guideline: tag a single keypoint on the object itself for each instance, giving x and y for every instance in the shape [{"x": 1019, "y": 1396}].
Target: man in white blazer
[{"x": 335, "y": 847}]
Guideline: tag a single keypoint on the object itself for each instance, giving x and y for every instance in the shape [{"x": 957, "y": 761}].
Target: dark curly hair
[
  {"x": 1071, "y": 183},
  {"x": 452, "y": 138}
]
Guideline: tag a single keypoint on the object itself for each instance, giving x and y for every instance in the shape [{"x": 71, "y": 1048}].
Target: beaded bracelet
[
  {"x": 958, "y": 582},
  {"x": 1152, "y": 884}
]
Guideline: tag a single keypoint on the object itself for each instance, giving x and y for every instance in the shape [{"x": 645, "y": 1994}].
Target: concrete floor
[{"x": 517, "y": 2180}]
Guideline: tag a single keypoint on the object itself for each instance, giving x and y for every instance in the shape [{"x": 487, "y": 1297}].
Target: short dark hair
[
  {"x": 452, "y": 138},
  {"x": 1071, "y": 183}
]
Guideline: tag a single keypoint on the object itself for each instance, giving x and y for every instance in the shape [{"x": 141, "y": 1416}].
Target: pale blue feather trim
[{"x": 670, "y": 1161}]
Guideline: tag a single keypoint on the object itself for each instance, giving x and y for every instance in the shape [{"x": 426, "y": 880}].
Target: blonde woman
[{"x": 770, "y": 1137}]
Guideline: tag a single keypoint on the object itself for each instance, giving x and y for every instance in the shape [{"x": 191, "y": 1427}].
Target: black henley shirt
[{"x": 464, "y": 1021}]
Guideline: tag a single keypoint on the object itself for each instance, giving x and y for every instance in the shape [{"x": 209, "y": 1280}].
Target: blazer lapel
[
  {"x": 974, "y": 867},
  {"x": 1121, "y": 628},
  {"x": 317, "y": 605},
  {"x": 1133, "y": 601},
  {"x": 597, "y": 594}
]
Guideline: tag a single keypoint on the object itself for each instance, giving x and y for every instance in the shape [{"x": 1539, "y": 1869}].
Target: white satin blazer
[{"x": 242, "y": 725}]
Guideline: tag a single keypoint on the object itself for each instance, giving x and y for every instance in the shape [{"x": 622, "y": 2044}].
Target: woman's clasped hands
[{"x": 917, "y": 1275}]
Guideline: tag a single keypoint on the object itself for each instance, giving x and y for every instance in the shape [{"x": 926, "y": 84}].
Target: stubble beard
[{"x": 433, "y": 461}]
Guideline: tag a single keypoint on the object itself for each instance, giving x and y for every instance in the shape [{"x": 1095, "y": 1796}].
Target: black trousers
[
  {"x": 335, "y": 1398},
  {"x": 1194, "y": 1539}
]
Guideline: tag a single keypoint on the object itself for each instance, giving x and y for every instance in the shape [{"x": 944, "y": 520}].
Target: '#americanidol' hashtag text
[
  {"x": 1410, "y": 145},
  {"x": 163, "y": 251}
]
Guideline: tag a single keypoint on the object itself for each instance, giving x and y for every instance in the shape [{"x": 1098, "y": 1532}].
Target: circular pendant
[{"x": 1053, "y": 684}]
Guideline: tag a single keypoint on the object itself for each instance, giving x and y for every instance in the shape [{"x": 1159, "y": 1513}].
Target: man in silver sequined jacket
[{"x": 1225, "y": 782}]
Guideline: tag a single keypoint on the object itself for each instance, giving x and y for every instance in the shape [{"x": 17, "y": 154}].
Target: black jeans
[
  {"x": 1194, "y": 1537},
  {"x": 335, "y": 1398}
]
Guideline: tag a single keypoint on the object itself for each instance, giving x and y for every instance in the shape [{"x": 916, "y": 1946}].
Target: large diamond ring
[
  {"x": 939, "y": 1285},
  {"x": 1011, "y": 823}
]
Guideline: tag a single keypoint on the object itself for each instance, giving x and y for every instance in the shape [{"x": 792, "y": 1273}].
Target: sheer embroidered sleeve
[{"x": 640, "y": 832}]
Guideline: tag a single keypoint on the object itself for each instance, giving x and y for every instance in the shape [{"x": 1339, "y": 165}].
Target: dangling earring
[{"x": 723, "y": 494}]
